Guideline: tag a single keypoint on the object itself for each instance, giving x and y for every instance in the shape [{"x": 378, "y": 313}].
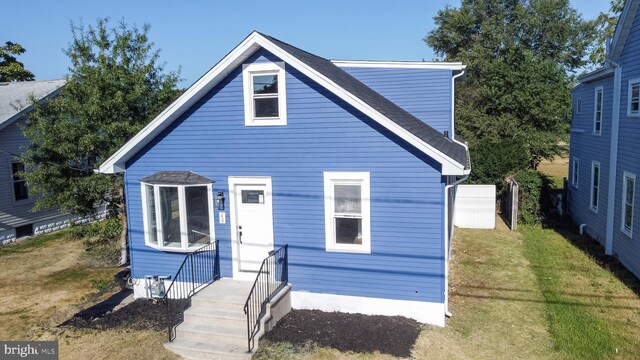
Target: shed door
[{"x": 254, "y": 225}]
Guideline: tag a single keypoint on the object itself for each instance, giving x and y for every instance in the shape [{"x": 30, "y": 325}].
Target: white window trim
[
  {"x": 629, "y": 113},
  {"x": 595, "y": 164},
  {"x": 595, "y": 109},
  {"x": 579, "y": 106},
  {"x": 363, "y": 179},
  {"x": 266, "y": 68},
  {"x": 184, "y": 236},
  {"x": 575, "y": 172},
  {"x": 623, "y": 228}
]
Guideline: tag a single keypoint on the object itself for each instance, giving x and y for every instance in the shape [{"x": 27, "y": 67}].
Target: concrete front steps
[{"x": 215, "y": 326}]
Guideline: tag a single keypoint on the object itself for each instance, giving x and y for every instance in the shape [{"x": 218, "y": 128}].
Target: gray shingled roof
[
  {"x": 380, "y": 103},
  {"x": 14, "y": 97},
  {"x": 176, "y": 178}
]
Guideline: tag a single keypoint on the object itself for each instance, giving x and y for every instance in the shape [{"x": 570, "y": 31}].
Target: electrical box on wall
[{"x": 222, "y": 217}]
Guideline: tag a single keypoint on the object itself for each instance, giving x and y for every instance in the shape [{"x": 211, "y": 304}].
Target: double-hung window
[
  {"x": 633, "y": 108},
  {"x": 628, "y": 196},
  {"x": 20, "y": 191},
  {"x": 595, "y": 185},
  {"x": 575, "y": 171},
  {"x": 597, "y": 111},
  {"x": 264, "y": 94},
  {"x": 347, "y": 212},
  {"x": 177, "y": 217}
]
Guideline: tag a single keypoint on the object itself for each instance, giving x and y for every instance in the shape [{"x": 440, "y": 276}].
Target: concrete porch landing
[{"x": 215, "y": 326}]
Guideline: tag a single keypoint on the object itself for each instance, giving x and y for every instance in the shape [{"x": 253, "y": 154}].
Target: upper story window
[
  {"x": 633, "y": 108},
  {"x": 20, "y": 191},
  {"x": 347, "y": 212},
  {"x": 579, "y": 106},
  {"x": 628, "y": 194},
  {"x": 595, "y": 185},
  {"x": 177, "y": 210},
  {"x": 265, "y": 100},
  {"x": 597, "y": 111},
  {"x": 575, "y": 168}
]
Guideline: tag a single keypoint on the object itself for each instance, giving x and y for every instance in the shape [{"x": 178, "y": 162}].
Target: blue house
[
  {"x": 352, "y": 164},
  {"x": 604, "y": 148}
]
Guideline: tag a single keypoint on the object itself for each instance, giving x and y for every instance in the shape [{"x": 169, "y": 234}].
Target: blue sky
[{"x": 194, "y": 35}]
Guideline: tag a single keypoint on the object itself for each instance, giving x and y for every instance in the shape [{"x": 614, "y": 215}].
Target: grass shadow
[{"x": 593, "y": 249}]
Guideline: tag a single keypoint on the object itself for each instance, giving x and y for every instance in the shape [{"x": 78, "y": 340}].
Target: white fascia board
[
  {"x": 400, "y": 64},
  {"x": 623, "y": 28},
  {"x": 116, "y": 163},
  {"x": 234, "y": 59},
  {"x": 596, "y": 75}
]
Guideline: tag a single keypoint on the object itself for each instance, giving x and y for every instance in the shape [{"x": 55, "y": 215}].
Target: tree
[
  {"x": 518, "y": 54},
  {"x": 115, "y": 86},
  {"x": 606, "y": 27},
  {"x": 10, "y": 68}
]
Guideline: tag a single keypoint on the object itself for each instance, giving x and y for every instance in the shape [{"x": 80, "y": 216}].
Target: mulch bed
[
  {"x": 393, "y": 335},
  {"x": 142, "y": 314}
]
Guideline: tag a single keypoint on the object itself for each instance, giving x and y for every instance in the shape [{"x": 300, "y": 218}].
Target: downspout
[
  {"x": 447, "y": 236},
  {"x": 447, "y": 239},
  {"x": 453, "y": 104},
  {"x": 613, "y": 157}
]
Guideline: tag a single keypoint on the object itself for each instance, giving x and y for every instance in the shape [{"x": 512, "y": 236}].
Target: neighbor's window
[
  {"x": 575, "y": 168},
  {"x": 264, "y": 93},
  {"x": 628, "y": 193},
  {"x": 597, "y": 115},
  {"x": 579, "y": 106},
  {"x": 20, "y": 191},
  {"x": 177, "y": 217},
  {"x": 595, "y": 185},
  {"x": 633, "y": 108},
  {"x": 347, "y": 211}
]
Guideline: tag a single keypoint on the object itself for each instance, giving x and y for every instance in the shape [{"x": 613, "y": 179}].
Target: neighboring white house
[{"x": 16, "y": 218}]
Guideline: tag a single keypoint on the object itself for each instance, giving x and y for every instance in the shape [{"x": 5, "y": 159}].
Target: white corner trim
[
  {"x": 237, "y": 56},
  {"x": 400, "y": 64},
  {"x": 613, "y": 161},
  {"x": 424, "y": 312},
  {"x": 266, "y": 68}
]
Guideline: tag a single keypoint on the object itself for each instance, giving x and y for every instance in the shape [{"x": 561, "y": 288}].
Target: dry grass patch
[
  {"x": 45, "y": 280},
  {"x": 498, "y": 309}
]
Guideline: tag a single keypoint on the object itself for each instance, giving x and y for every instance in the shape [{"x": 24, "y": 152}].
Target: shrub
[
  {"x": 493, "y": 161},
  {"x": 531, "y": 195},
  {"x": 100, "y": 237}
]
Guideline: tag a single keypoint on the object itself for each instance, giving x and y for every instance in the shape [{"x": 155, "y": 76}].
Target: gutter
[{"x": 613, "y": 157}]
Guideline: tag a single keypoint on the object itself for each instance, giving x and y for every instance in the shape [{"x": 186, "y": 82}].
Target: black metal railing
[
  {"x": 272, "y": 277},
  {"x": 198, "y": 269}
]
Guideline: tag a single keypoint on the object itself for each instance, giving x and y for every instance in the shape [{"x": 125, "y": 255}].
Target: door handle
[{"x": 240, "y": 234}]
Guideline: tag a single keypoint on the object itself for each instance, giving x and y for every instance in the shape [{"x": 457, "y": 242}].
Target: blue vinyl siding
[
  {"x": 588, "y": 147},
  {"x": 628, "y": 250},
  {"x": 323, "y": 134},
  {"x": 425, "y": 93}
]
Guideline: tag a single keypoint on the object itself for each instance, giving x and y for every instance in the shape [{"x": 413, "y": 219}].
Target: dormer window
[{"x": 264, "y": 94}]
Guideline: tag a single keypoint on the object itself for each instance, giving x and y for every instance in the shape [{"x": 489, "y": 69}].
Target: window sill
[
  {"x": 176, "y": 249},
  {"x": 266, "y": 122},
  {"x": 349, "y": 250},
  {"x": 628, "y": 233},
  {"x": 632, "y": 115},
  {"x": 595, "y": 210}
]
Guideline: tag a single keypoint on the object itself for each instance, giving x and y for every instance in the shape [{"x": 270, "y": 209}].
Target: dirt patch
[
  {"x": 142, "y": 314},
  {"x": 393, "y": 335}
]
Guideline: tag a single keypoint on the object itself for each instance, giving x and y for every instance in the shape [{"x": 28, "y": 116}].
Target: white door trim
[{"x": 244, "y": 180}]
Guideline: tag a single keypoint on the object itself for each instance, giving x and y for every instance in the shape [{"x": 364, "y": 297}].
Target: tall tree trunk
[{"x": 123, "y": 233}]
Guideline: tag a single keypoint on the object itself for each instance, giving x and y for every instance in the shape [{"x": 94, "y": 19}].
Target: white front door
[{"x": 252, "y": 224}]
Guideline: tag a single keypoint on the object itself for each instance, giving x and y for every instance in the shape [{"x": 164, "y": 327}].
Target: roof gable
[
  {"x": 623, "y": 28},
  {"x": 452, "y": 155},
  {"x": 14, "y": 97}
]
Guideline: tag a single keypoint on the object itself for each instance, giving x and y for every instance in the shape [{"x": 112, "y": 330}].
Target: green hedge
[{"x": 531, "y": 185}]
